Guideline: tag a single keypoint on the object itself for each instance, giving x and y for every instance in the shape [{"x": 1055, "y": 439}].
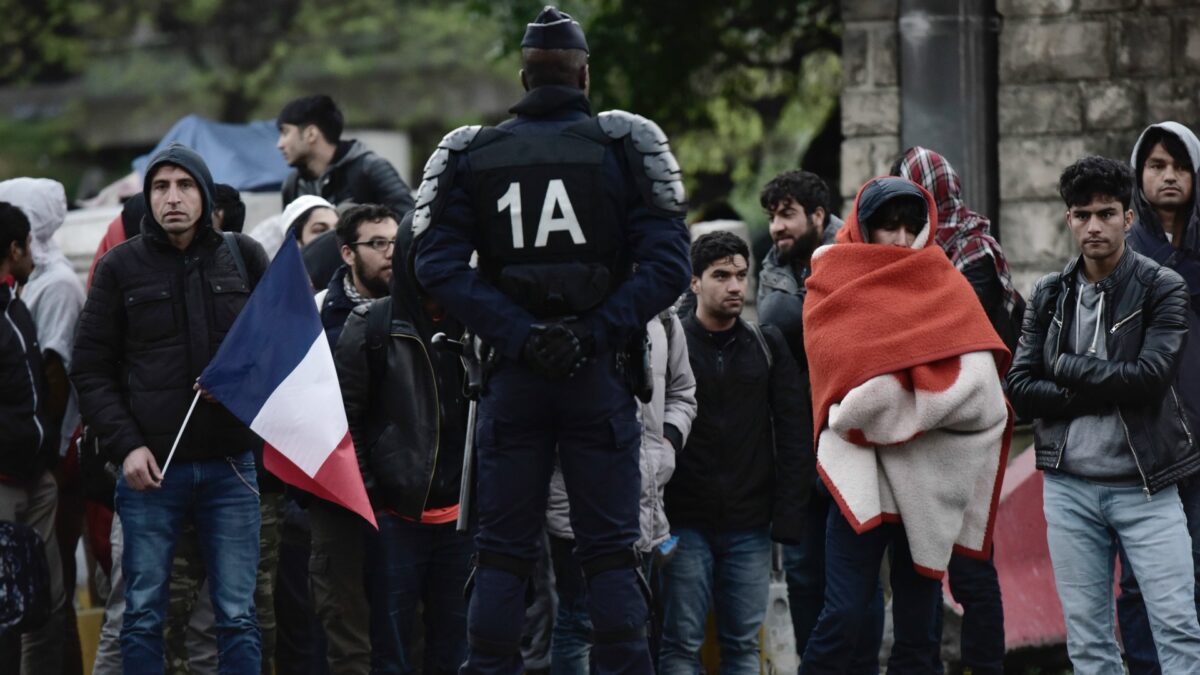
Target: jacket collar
[
  {"x": 1119, "y": 274},
  {"x": 552, "y": 101}
]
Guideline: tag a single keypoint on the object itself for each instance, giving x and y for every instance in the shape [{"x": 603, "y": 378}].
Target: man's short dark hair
[
  {"x": 802, "y": 187},
  {"x": 348, "y": 222},
  {"x": 545, "y": 67},
  {"x": 715, "y": 246},
  {"x": 228, "y": 201},
  {"x": 318, "y": 110},
  {"x": 1173, "y": 144},
  {"x": 1095, "y": 176},
  {"x": 910, "y": 212},
  {"x": 14, "y": 226}
]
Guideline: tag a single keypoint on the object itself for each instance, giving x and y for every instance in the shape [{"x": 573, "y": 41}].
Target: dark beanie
[
  {"x": 884, "y": 190},
  {"x": 553, "y": 29}
]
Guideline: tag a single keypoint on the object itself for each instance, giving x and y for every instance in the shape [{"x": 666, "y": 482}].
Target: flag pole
[{"x": 180, "y": 434}]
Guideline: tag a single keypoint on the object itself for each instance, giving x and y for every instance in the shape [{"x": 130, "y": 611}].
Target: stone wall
[
  {"x": 1080, "y": 77},
  {"x": 1075, "y": 77},
  {"x": 870, "y": 92}
]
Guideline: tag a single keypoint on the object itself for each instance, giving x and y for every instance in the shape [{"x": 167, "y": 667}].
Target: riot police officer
[{"x": 578, "y": 225}]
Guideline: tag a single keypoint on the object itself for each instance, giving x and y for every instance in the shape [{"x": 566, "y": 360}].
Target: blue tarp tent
[{"x": 242, "y": 155}]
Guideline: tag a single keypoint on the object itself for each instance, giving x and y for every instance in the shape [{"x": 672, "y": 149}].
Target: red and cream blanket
[{"x": 910, "y": 419}]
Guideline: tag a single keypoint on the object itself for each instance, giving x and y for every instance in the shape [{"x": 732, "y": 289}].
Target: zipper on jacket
[
  {"x": 1138, "y": 462},
  {"x": 1122, "y": 322},
  {"x": 438, "y": 433},
  {"x": 1182, "y": 421},
  {"x": 1063, "y": 448}
]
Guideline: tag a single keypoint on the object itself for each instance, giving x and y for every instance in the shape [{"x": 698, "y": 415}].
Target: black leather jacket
[
  {"x": 1145, "y": 308},
  {"x": 404, "y": 400},
  {"x": 356, "y": 175}
]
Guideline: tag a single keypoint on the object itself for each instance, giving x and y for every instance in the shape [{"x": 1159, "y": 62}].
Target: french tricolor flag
[{"x": 275, "y": 372}]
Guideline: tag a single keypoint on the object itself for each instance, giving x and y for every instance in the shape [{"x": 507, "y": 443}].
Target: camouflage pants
[{"x": 187, "y": 576}]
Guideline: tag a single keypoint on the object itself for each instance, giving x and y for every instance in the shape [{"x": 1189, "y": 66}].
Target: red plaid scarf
[{"x": 963, "y": 234}]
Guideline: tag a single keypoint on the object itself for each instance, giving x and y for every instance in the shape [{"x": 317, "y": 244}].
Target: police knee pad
[
  {"x": 518, "y": 567},
  {"x": 628, "y": 559}
]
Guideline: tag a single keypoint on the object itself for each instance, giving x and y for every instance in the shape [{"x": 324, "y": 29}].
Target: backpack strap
[
  {"x": 668, "y": 325},
  {"x": 235, "y": 250},
  {"x": 379, "y": 319},
  {"x": 762, "y": 342}
]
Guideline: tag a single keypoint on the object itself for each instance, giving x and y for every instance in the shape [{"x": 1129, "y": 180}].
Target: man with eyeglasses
[{"x": 366, "y": 236}]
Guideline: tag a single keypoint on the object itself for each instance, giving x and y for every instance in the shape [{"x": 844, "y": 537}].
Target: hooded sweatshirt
[
  {"x": 154, "y": 318},
  {"x": 1147, "y": 237},
  {"x": 54, "y": 294}
]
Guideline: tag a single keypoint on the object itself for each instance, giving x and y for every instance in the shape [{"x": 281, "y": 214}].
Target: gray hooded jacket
[{"x": 674, "y": 403}]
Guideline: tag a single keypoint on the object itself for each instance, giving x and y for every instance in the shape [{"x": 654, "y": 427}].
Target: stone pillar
[{"x": 870, "y": 94}]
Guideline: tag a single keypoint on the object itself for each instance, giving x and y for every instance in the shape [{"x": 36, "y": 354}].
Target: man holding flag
[{"x": 159, "y": 307}]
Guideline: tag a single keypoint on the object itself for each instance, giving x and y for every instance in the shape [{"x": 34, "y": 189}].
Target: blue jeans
[
  {"x": 804, "y": 567},
  {"x": 412, "y": 566},
  {"x": 851, "y": 580},
  {"x": 732, "y": 568},
  {"x": 1084, "y": 523},
  {"x": 221, "y": 497},
  {"x": 1140, "y": 653}
]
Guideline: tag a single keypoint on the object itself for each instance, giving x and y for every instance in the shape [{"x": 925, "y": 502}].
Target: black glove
[{"x": 557, "y": 350}]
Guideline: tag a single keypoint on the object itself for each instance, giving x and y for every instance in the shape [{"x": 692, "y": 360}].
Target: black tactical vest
[{"x": 549, "y": 227}]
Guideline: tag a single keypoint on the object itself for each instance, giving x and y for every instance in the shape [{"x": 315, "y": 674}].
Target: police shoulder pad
[
  {"x": 655, "y": 166},
  {"x": 433, "y": 179}
]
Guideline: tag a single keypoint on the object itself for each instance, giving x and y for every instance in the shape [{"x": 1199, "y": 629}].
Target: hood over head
[
  {"x": 1147, "y": 219},
  {"x": 44, "y": 202},
  {"x": 190, "y": 161},
  {"x": 300, "y": 206},
  {"x": 963, "y": 234},
  {"x": 873, "y": 195}
]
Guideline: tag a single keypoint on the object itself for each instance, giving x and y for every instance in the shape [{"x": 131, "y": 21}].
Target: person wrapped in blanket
[{"x": 911, "y": 425}]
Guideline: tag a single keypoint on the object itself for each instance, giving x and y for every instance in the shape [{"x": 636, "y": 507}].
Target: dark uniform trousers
[{"x": 590, "y": 420}]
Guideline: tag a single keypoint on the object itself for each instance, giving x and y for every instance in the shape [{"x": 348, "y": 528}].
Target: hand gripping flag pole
[{"x": 179, "y": 435}]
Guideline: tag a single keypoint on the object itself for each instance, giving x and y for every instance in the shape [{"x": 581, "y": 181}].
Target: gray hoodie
[{"x": 674, "y": 403}]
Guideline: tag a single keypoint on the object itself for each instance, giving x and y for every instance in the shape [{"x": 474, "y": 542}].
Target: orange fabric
[
  {"x": 873, "y": 309},
  {"x": 439, "y": 516},
  {"x": 114, "y": 235}
]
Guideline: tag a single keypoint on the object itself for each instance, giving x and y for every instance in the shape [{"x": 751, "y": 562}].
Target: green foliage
[{"x": 39, "y": 39}]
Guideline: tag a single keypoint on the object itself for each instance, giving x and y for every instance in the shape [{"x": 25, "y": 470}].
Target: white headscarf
[{"x": 44, "y": 202}]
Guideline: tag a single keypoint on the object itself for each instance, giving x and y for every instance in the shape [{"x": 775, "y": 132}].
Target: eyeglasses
[{"x": 379, "y": 244}]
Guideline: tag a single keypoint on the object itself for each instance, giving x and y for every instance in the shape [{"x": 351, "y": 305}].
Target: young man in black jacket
[
  {"x": 341, "y": 171},
  {"x": 1166, "y": 229},
  {"x": 745, "y": 474},
  {"x": 29, "y": 430},
  {"x": 407, "y": 413},
  {"x": 159, "y": 306},
  {"x": 1099, "y": 350}
]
